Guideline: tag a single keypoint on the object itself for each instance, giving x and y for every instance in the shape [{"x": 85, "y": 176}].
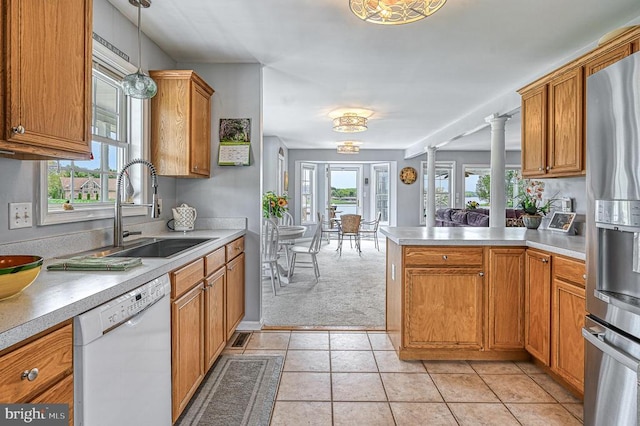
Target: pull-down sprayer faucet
[{"x": 117, "y": 218}]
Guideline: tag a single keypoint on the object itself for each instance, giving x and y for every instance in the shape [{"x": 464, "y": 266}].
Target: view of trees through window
[{"x": 478, "y": 186}]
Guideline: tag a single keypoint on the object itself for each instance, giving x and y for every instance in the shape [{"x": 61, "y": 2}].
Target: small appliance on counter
[{"x": 184, "y": 218}]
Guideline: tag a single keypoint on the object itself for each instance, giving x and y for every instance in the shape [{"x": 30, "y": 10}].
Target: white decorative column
[
  {"x": 497, "y": 211},
  {"x": 430, "y": 221}
]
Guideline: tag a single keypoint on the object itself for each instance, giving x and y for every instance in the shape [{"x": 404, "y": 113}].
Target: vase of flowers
[
  {"x": 472, "y": 205},
  {"x": 274, "y": 205},
  {"x": 531, "y": 203}
]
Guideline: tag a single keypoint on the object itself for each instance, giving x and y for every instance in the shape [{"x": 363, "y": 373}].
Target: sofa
[{"x": 449, "y": 217}]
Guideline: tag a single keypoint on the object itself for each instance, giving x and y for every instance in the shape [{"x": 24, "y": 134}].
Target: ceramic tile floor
[{"x": 355, "y": 378}]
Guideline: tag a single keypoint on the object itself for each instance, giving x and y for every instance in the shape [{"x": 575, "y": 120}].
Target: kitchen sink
[{"x": 160, "y": 247}]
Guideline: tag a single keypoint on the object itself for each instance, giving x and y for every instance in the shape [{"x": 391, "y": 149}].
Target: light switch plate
[{"x": 20, "y": 215}]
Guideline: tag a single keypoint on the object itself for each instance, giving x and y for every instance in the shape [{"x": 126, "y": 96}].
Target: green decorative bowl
[{"x": 17, "y": 273}]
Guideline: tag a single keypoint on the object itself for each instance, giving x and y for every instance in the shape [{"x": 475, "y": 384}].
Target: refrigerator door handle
[{"x": 594, "y": 337}]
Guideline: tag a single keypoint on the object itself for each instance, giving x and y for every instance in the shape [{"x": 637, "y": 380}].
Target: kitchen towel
[{"x": 90, "y": 263}]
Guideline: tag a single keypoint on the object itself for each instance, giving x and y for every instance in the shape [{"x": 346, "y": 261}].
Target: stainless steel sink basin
[{"x": 160, "y": 247}]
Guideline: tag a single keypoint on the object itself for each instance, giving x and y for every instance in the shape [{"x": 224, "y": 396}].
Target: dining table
[{"x": 287, "y": 234}]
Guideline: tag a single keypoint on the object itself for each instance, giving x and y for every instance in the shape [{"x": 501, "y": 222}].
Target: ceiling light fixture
[
  {"x": 394, "y": 12},
  {"x": 139, "y": 85},
  {"x": 348, "y": 148},
  {"x": 350, "y": 123}
]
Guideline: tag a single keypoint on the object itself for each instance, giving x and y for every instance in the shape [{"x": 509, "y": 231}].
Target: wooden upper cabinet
[
  {"x": 46, "y": 100},
  {"x": 181, "y": 124},
  {"x": 534, "y": 131},
  {"x": 566, "y": 128},
  {"x": 610, "y": 57}
]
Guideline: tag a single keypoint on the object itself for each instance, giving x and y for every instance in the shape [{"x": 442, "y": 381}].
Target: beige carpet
[{"x": 349, "y": 293}]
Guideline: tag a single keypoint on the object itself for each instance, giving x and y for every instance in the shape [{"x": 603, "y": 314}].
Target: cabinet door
[
  {"x": 443, "y": 308},
  {"x": 215, "y": 334},
  {"x": 49, "y": 94},
  {"x": 60, "y": 393},
  {"x": 534, "y": 131},
  {"x": 538, "y": 304},
  {"x": 506, "y": 298},
  {"x": 603, "y": 61},
  {"x": 235, "y": 293},
  {"x": 187, "y": 344},
  {"x": 567, "y": 358},
  {"x": 566, "y": 128},
  {"x": 200, "y": 156}
]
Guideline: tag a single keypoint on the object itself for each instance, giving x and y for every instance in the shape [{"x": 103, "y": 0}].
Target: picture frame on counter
[{"x": 561, "y": 221}]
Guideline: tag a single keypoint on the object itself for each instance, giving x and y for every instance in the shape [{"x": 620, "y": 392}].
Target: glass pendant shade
[
  {"x": 348, "y": 148},
  {"x": 350, "y": 123},
  {"x": 394, "y": 12},
  {"x": 139, "y": 85}
]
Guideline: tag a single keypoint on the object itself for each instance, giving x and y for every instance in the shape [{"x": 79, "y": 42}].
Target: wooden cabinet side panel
[
  {"x": 187, "y": 344},
  {"x": 215, "y": 335},
  {"x": 566, "y": 128},
  {"x": 569, "y": 312},
  {"x": 534, "y": 131},
  {"x": 170, "y": 112},
  {"x": 538, "y": 305},
  {"x": 235, "y": 294},
  {"x": 443, "y": 308},
  {"x": 506, "y": 298},
  {"x": 394, "y": 274},
  {"x": 200, "y": 132}
]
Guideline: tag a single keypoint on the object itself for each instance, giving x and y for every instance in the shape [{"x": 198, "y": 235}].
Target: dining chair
[
  {"x": 286, "y": 219},
  {"x": 311, "y": 250},
  {"x": 370, "y": 228},
  {"x": 349, "y": 226},
  {"x": 270, "y": 246},
  {"x": 328, "y": 227}
]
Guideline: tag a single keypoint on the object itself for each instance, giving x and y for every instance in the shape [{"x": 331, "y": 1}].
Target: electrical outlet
[{"x": 20, "y": 215}]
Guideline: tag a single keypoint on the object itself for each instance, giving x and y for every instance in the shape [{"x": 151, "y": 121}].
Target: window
[
  {"x": 381, "y": 192},
  {"x": 307, "y": 193},
  {"x": 445, "y": 171},
  {"x": 89, "y": 186},
  {"x": 477, "y": 185}
]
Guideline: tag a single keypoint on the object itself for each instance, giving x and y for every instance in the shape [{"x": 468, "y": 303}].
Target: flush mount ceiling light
[
  {"x": 394, "y": 12},
  {"x": 348, "y": 147},
  {"x": 139, "y": 85},
  {"x": 350, "y": 123}
]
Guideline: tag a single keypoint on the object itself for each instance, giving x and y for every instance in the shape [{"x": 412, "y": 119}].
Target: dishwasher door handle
[{"x": 620, "y": 356}]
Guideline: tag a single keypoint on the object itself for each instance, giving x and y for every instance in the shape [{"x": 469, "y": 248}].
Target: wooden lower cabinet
[
  {"x": 234, "y": 293},
  {"x": 443, "y": 308},
  {"x": 538, "y": 305},
  {"x": 215, "y": 332},
  {"x": 187, "y": 343},
  {"x": 51, "y": 353},
  {"x": 506, "y": 298}
]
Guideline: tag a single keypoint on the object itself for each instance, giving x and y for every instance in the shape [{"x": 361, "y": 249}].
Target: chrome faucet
[{"x": 117, "y": 218}]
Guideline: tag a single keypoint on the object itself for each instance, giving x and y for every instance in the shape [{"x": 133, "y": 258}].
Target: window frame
[
  {"x": 465, "y": 166},
  {"x": 312, "y": 196},
  {"x": 138, "y": 147},
  {"x": 444, "y": 164}
]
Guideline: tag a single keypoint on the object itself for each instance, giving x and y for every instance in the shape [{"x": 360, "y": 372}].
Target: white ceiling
[{"x": 427, "y": 82}]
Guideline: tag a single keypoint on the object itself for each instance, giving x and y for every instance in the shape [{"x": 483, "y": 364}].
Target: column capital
[{"x": 496, "y": 118}]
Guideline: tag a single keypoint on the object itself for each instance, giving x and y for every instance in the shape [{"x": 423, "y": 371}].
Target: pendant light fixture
[
  {"x": 349, "y": 147},
  {"x": 139, "y": 85},
  {"x": 394, "y": 12},
  {"x": 350, "y": 123}
]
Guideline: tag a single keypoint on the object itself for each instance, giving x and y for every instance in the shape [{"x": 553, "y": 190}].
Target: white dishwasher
[{"x": 122, "y": 360}]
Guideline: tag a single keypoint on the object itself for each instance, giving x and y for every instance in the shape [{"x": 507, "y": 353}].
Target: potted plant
[
  {"x": 531, "y": 204},
  {"x": 472, "y": 205},
  {"x": 274, "y": 205}
]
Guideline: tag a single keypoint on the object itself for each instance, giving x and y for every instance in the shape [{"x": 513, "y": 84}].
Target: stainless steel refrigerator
[{"x": 612, "y": 326}]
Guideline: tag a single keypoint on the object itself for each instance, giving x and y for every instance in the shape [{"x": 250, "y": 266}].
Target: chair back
[
  {"x": 316, "y": 241},
  {"x": 269, "y": 240},
  {"x": 350, "y": 223},
  {"x": 287, "y": 219},
  {"x": 377, "y": 221}
]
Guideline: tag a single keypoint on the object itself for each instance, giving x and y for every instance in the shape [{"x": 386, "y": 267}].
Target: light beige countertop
[
  {"x": 551, "y": 241},
  {"x": 56, "y": 296}
]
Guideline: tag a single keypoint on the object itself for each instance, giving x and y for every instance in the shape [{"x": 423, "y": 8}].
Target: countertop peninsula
[{"x": 552, "y": 241}]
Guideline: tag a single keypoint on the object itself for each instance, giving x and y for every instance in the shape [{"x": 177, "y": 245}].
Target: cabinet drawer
[
  {"x": 51, "y": 354},
  {"x": 443, "y": 256},
  {"x": 234, "y": 248},
  {"x": 186, "y": 277},
  {"x": 214, "y": 261},
  {"x": 569, "y": 269}
]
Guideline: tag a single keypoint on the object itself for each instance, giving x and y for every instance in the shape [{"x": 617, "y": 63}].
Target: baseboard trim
[{"x": 250, "y": 325}]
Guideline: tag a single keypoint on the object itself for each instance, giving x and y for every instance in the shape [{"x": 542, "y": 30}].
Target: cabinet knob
[
  {"x": 195, "y": 167},
  {"x": 584, "y": 276},
  {"x": 30, "y": 375},
  {"x": 548, "y": 167},
  {"x": 545, "y": 260},
  {"x": 481, "y": 274},
  {"x": 539, "y": 169},
  {"x": 444, "y": 257},
  {"x": 19, "y": 130}
]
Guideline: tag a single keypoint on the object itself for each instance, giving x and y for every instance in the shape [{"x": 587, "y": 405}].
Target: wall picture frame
[{"x": 561, "y": 221}]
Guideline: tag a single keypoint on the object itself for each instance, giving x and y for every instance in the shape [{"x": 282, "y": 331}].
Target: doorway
[{"x": 344, "y": 189}]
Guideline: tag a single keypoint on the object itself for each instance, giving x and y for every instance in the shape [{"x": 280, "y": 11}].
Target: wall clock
[{"x": 408, "y": 175}]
